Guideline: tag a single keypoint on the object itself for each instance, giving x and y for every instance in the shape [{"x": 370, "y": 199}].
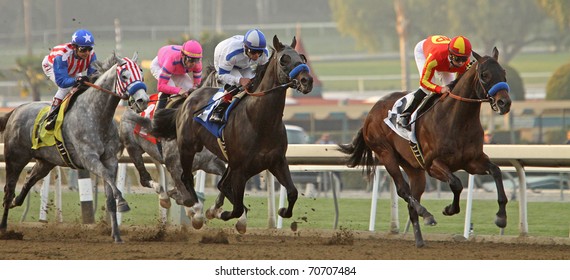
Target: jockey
[
  {"x": 441, "y": 55},
  {"x": 66, "y": 65},
  {"x": 172, "y": 68},
  {"x": 234, "y": 59}
]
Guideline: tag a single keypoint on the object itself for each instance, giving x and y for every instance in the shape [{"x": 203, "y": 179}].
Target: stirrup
[{"x": 404, "y": 119}]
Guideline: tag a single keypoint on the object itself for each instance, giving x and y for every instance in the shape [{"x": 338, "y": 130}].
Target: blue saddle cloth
[{"x": 215, "y": 128}]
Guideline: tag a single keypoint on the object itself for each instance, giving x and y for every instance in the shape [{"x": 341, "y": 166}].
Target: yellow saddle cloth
[{"x": 41, "y": 137}]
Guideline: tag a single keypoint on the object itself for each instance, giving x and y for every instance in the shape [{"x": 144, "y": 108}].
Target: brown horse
[
  {"x": 450, "y": 136},
  {"x": 254, "y": 134}
]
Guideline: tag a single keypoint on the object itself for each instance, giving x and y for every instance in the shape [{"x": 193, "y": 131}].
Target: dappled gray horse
[
  {"x": 137, "y": 145},
  {"x": 89, "y": 134}
]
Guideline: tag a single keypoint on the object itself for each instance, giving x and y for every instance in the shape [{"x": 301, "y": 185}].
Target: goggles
[
  {"x": 84, "y": 49},
  {"x": 188, "y": 59},
  {"x": 254, "y": 52},
  {"x": 458, "y": 59}
]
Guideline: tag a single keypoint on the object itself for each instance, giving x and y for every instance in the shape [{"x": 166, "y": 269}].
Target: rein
[
  {"x": 103, "y": 89},
  {"x": 464, "y": 99},
  {"x": 293, "y": 83}
]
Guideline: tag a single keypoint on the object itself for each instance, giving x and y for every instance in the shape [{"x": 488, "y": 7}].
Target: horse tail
[
  {"x": 4, "y": 121},
  {"x": 164, "y": 124},
  {"x": 360, "y": 154}
]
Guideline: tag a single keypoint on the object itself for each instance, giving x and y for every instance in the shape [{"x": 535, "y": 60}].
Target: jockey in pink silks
[{"x": 178, "y": 69}]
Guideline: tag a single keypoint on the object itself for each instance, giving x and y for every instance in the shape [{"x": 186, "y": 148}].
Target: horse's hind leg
[
  {"x": 39, "y": 171},
  {"x": 216, "y": 210},
  {"x": 14, "y": 167},
  {"x": 403, "y": 190}
]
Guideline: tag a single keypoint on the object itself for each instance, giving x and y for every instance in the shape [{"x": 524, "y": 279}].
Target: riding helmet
[
  {"x": 254, "y": 40},
  {"x": 83, "y": 38},
  {"x": 192, "y": 49},
  {"x": 460, "y": 46}
]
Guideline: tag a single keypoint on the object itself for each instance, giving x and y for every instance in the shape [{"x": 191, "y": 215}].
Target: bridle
[
  {"x": 291, "y": 83},
  {"x": 490, "y": 94}
]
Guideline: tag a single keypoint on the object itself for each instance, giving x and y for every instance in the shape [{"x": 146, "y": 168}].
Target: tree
[
  {"x": 558, "y": 86},
  {"x": 30, "y": 68},
  {"x": 510, "y": 24},
  {"x": 558, "y": 10}
]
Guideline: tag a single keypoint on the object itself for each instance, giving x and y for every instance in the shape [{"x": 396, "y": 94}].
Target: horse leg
[
  {"x": 135, "y": 154},
  {"x": 216, "y": 210},
  {"x": 111, "y": 205},
  {"x": 485, "y": 166},
  {"x": 403, "y": 190},
  {"x": 417, "y": 179},
  {"x": 39, "y": 171},
  {"x": 14, "y": 166},
  {"x": 441, "y": 172},
  {"x": 283, "y": 175},
  {"x": 185, "y": 181},
  {"x": 237, "y": 183},
  {"x": 107, "y": 170}
]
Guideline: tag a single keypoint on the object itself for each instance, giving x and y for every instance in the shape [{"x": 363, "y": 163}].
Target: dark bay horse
[
  {"x": 89, "y": 134},
  {"x": 255, "y": 135},
  {"x": 136, "y": 145},
  {"x": 450, "y": 136}
]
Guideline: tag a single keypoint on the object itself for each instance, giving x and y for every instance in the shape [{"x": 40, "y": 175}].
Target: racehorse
[
  {"x": 450, "y": 136},
  {"x": 90, "y": 136},
  {"x": 137, "y": 145},
  {"x": 254, "y": 135}
]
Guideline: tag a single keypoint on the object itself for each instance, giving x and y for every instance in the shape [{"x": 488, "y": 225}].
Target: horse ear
[
  {"x": 135, "y": 57},
  {"x": 495, "y": 53},
  {"x": 276, "y": 44},
  {"x": 294, "y": 43},
  {"x": 476, "y": 55}
]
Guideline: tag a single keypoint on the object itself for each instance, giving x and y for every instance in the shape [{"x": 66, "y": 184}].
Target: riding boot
[
  {"x": 404, "y": 120},
  {"x": 218, "y": 113},
  {"x": 162, "y": 100},
  {"x": 52, "y": 115}
]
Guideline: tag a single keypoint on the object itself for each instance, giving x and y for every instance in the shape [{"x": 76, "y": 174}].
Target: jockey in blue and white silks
[
  {"x": 234, "y": 59},
  {"x": 67, "y": 65}
]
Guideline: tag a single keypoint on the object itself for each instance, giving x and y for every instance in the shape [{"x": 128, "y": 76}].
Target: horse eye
[
  {"x": 126, "y": 75},
  {"x": 285, "y": 60}
]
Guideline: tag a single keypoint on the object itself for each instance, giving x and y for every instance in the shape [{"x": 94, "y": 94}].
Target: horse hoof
[
  {"x": 198, "y": 221},
  {"x": 450, "y": 211},
  {"x": 165, "y": 203},
  {"x": 210, "y": 213},
  {"x": 284, "y": 214},
  {"x": 430, "y": 221},
  {"x": 119, "y": 241},
  {"x": 123, "y": 207},
  {"x": 501, "y": 222},
  {"x": 420, "y": 244},
  {"x": 241, "y": 227}
]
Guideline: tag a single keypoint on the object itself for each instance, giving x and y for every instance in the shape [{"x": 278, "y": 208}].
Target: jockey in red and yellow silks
[{"x": 437, "y": 57}]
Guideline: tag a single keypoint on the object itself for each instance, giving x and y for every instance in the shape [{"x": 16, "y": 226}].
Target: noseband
[{"x": 292, "y": 82}]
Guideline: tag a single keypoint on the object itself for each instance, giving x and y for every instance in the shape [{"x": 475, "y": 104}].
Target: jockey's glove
[{"x": 81, "y": 80}]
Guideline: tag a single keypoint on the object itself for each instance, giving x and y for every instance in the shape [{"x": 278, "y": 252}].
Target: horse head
[
  {"x": 292, "y": 68},
  {"x": 493, "y": 82},
  {"x": 129, "y": 83}
]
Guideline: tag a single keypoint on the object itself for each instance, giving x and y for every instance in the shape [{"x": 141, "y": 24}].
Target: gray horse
[
  {"x": 137, "y": 145},
  {"x": 90, "y": 136}
]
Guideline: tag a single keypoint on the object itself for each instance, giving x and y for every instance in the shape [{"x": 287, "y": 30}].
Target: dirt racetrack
[{"x": 79, "y": 242}]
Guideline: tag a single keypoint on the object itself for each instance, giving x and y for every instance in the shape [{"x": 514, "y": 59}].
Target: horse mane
[{"x": 103, "y": 66}]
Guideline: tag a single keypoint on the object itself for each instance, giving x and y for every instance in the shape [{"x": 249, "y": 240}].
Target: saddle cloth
[
  {"x": 42, "y": 137},
  {"x": 392, "y": 119},
  {"x": 203, "y": 118}
]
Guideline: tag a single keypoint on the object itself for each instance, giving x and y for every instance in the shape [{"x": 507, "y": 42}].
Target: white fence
[{"x": 322, "y": 157}]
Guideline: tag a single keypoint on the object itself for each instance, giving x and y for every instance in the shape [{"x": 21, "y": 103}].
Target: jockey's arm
[
  {"x": 427, "y": 74},
  {"x": 62, "y": 78},
  {"x": 164, "y": 78},
  {"x": 197, "y": 74}
]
